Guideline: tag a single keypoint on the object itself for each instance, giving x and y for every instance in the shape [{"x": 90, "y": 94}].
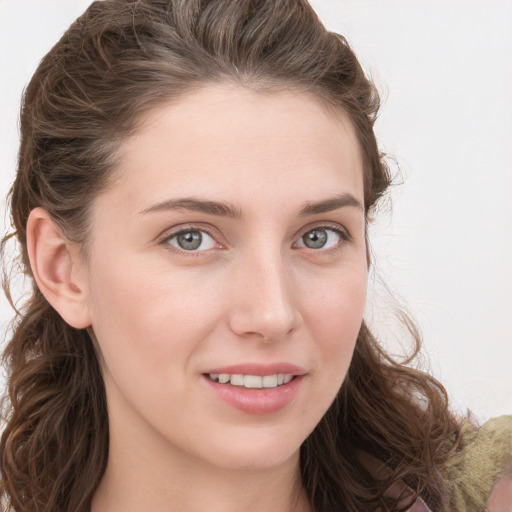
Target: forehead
[{"x": 228, "y": 139}]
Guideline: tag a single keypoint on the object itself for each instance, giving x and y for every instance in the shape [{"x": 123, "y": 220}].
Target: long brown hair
[{"x": 117, "y": 61}]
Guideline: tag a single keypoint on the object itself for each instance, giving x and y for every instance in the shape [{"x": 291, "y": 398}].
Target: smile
[{"x": 251, "y": 381}]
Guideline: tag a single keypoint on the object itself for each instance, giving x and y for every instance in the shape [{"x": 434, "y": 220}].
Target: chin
[
  {"x": 257, "y": 451},
  {"x": 259, "y": 461}
]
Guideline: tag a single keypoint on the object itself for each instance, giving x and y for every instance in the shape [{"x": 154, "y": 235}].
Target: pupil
[
  {"x": 315, "y": 239},
  {"x": 190, "y": 240}
]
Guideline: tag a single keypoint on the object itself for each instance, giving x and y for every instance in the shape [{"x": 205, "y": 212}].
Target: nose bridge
[{"x": 263, "y": 303}]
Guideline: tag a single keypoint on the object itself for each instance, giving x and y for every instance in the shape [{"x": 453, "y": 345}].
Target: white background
[{"x": 444, "y": 69}]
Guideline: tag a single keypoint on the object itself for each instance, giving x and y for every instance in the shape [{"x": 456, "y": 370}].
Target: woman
[{"x": 194, "y": 185}]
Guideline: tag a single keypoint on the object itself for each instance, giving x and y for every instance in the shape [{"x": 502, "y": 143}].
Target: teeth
[
  {"x": 252, "y": 381},
  {"x": 223, "y": 378},
  {"x": 269, "y": 381},
  {"x": 237, "y": 380}
]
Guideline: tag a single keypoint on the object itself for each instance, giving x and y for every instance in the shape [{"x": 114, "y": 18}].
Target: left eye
[
  {"x": 192, "y": 240},
  {"x": 320, "y": 238}
]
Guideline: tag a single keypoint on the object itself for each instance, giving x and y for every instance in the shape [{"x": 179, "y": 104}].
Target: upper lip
[{"x": 259, "y": 369}]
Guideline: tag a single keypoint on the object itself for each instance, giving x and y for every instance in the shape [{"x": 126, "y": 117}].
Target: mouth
[
  {"x": 251, "y": 381},
  {"x": 256, "y": 388}
]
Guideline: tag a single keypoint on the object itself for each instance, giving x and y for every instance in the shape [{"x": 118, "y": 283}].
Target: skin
[{"x": 253, "y": 292}]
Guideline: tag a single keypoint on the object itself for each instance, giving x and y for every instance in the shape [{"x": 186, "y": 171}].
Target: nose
[{"x": 263, "y": 303}]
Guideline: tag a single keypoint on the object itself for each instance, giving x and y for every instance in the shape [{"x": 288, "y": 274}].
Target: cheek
[
  {"x": 144, "y": 321},
  {"x": 149, "y": 331},
  {"x": 336, "y": 306},
  {"x": 333, "y": 314},
  {"x": 153, "y": 320}
]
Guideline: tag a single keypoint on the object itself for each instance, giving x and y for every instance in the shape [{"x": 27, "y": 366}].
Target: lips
[{"x": 255, "y": 388}]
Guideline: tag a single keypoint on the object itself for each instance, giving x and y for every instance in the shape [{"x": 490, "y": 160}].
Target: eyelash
[
  {"x": 188, "y": 229},
  {"x": 342, "y": 233}
]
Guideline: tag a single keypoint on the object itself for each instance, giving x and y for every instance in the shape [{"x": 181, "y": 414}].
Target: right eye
[{"x": 192, "y": 240}]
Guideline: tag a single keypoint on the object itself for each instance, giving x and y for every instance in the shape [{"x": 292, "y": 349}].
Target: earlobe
[{"x": 54, "y": 267}]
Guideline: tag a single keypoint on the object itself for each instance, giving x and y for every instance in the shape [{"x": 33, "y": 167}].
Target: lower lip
[{"x": 257, "y": 401}]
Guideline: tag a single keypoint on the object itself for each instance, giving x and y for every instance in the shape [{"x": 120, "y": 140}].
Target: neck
[
  {"x": 147, "y": 477},
  {"x": 195, "y": 489}
]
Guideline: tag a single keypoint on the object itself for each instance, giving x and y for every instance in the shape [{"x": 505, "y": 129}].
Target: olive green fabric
[{"x": 471, "y": 473}]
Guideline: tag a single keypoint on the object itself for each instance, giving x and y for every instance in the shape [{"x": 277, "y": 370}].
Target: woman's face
[{"x": 227, "y": 258}]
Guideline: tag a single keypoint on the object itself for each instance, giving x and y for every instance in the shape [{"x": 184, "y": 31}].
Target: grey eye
[
  {"x": 315, "y": 239},
  {"x": 189, "y": 241},
  {"x": 320, "y": 238},
  {"x": 192, "y": 240}
]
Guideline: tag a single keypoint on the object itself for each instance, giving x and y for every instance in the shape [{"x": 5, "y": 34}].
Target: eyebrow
[
  {"x": 196, "y": 205},
  {"x": 230, "y": 211},
  {"x": 328, "y": 205}
]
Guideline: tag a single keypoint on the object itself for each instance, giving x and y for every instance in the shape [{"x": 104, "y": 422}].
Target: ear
[{"x": 57, "y": 269}]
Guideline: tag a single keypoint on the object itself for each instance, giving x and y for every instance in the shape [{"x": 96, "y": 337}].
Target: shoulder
[
  {"x": 479, "y": 476},
  {"x": 500, "y": 499}
]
